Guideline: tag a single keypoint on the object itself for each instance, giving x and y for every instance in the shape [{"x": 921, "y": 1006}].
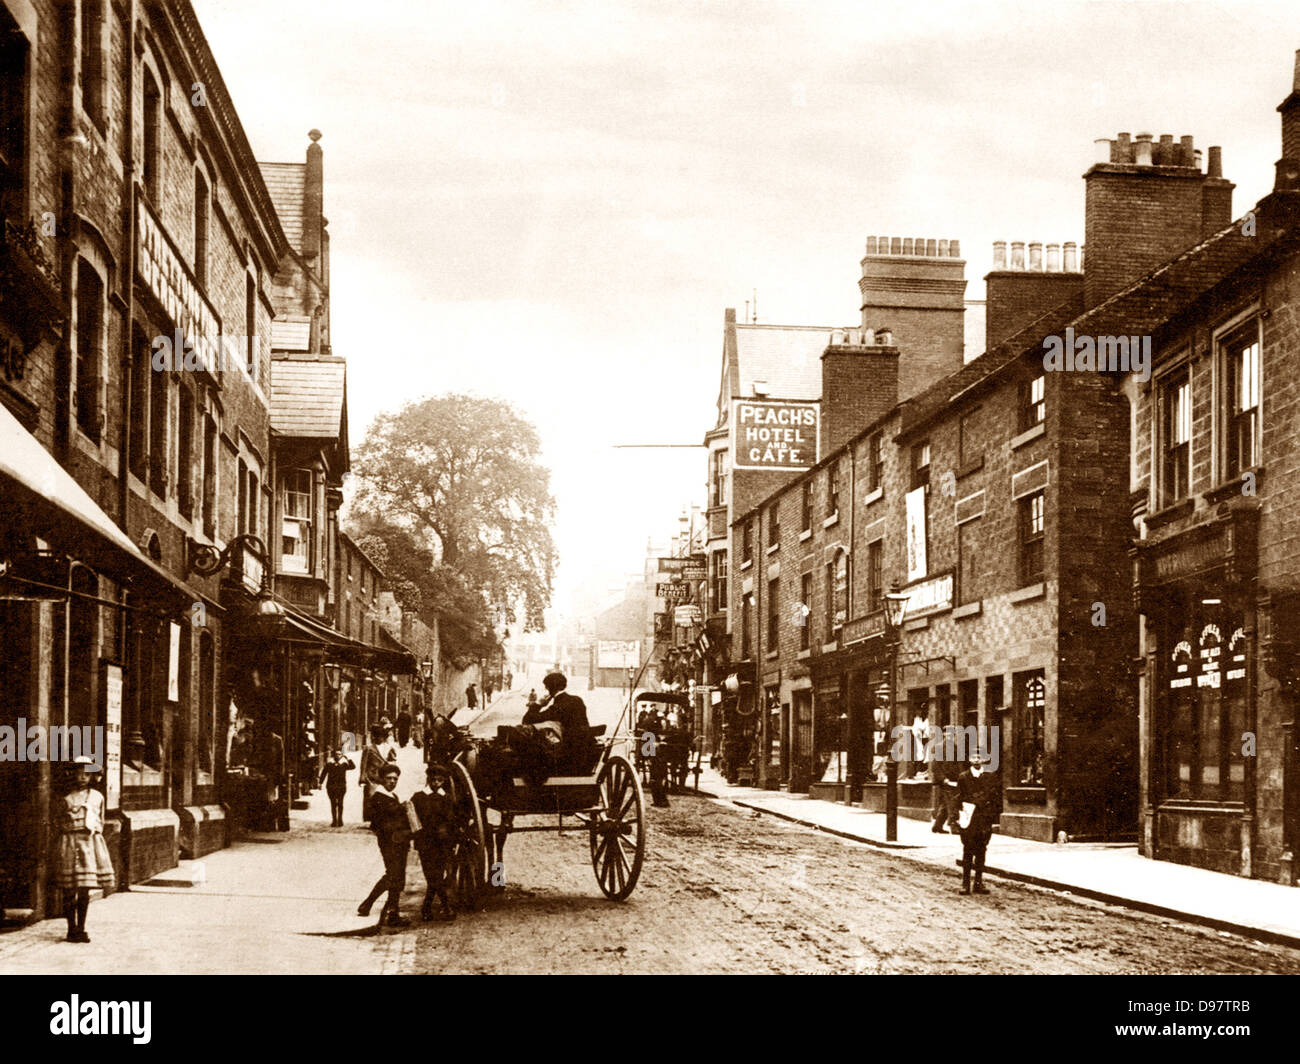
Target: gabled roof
[
  {"x": 286, "y": 183},
  {"x": 309, "y": 397},
  {"x": 784, "y": 360}
]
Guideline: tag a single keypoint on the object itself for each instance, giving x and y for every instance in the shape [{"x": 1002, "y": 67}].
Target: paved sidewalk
[
  {"x": 1109, "y": 872},
  {"x": 275, "y": 903}
]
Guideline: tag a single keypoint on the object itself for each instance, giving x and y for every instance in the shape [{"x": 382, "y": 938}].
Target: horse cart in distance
[
  {"x": 668, "y": 716},
  {"x": 606, "y": 802}
]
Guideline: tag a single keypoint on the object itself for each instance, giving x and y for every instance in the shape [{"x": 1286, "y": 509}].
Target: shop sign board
[{"x": 774, "y": 434}]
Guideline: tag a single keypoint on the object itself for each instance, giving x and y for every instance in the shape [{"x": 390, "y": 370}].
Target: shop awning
[
  {"x": 38, "y": 492},
  {"x": 338, "y": 648}
]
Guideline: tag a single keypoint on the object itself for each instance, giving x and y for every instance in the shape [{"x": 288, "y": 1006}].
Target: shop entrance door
[{"x": 22, "y": 825}]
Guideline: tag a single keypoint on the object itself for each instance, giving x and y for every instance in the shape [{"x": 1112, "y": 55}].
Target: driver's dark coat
[{"x": 570, "y": 712}]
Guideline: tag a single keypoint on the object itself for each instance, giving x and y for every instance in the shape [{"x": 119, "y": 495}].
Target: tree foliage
[{"x": 460, "y": 475}]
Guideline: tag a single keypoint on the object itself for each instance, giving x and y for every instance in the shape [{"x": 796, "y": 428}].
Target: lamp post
[{"x": 895, "y": 610}]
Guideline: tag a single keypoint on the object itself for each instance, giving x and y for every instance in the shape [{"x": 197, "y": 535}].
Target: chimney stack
[
  {"x": 917, "y": 285},
  {"x": 1016, "y": 296},
  {"x": 1290, "y": 111},
  {"x": 313, "y": 199},
  {"x": 1147, "y": 204}
]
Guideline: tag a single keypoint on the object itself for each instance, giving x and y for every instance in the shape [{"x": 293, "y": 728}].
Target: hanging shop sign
[
  {"x": 774, "y": 434},
  {"x": 929, "y": 596},
  {"x": 685, "y": 616},
  {"x": 860, "y": 628},
  {"x": 673, "y": 592},
  {"x": 691, "y": 568}
]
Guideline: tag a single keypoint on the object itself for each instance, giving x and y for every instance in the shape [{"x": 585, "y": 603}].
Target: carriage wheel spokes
[
  {"x": 618, "y": 830},
  {"x": 469, "y": 865}
]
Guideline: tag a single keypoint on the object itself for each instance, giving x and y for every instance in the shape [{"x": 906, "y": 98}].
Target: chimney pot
[
  {"x": 932, "y": 247},
  {"x": 1142, "y": 150},
  {"x": 1123, "y": 149},
  {"x": 918, "y": 245},
  {"x": 1188, "y": 157},
  {"x": 868, "y": 337},
  {"x": 1070, "y": 261},
  {"x": 1165, "y": 157},
  {"x": 1104, "y": 150},
  {"x": 954, "y": 248},
  {"x": 882, "y": 245},
  {"x": 1017, "y": 255},
  {"x": 1215, "y": 161},
  {"x": 895, "y": 245},
  {"x": 1295, "y": 79},
  {"x": 999, "y": 254},
  {"x": 871, "y": 245},
  {"x": 907, "y": 245},
  {"x": 1036, "y": 256},
  {"x": 1053, "y": 258},
  {"x": 942, "y": 248}
]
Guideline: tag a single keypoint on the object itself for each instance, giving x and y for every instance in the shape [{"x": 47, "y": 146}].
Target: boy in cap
[
  {"x": 979, "y": 798},
  {"x": 388, "y": 822},
  {"x": 435, "y": 838}
]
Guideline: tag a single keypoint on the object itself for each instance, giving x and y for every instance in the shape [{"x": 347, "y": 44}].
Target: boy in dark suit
[
  {"x": 435, "y": 841},
  {"x": 983, "y": 791},
  {"x": 388, "y": 822}
]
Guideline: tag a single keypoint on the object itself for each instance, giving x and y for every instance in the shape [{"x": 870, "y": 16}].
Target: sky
[{"x": 554, "y": 203}]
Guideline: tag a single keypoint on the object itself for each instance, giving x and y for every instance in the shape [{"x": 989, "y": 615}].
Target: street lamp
[{"x": 895, "y": 611}]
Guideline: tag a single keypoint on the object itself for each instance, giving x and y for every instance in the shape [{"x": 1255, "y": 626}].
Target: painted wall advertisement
[
  {"x": 611, "y": 654},
  {"x": 772, "y": 434},
  {"x": 916, "y": 533}
]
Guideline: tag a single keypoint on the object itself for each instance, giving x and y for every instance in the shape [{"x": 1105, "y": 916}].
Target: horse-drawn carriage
[
  {"x": 606, "y": 802},
  {"x": 667, "y": 716}
]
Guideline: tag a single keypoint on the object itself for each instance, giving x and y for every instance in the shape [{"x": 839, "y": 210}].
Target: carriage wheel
[
  {"x": 469, "y": 861},
  {"x": 618, "y": 832}
]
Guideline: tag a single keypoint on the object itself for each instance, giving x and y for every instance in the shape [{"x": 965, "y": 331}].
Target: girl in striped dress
[{"x": 83, "y": 863}]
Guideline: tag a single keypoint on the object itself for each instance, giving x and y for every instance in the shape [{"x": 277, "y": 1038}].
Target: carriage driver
[{"x": 569, "y": 713}]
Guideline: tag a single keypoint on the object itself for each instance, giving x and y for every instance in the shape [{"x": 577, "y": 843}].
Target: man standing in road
[
  {"x": 471, "y": 697},
  {"x": 979, "y": 798}
]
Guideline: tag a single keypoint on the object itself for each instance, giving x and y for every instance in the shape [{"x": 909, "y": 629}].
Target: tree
[{"x": 462, "y": 476}]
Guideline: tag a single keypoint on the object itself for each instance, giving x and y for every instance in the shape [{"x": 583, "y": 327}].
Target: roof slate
[
  {"x": 786, "y": 357},
  {"x": 307, "y": 396},
  {"x": 286, "y": 183}
]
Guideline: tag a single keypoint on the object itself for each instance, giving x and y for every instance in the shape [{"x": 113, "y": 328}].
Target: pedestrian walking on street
[
  {"x": 532, "y": 698},
  {"x": 435, "y": 838},
  {"x": 979, "y": 794},
  {"x": 403, "y": 728},
  {"x": 943, "y": 809},
  {"x": 471, "y": 697},
  {"x": 372, "y": 767},
  {"x": 336, "y": 784},
  {"x": 83, "y": 862},
  {"x": 388, "y": 821}
]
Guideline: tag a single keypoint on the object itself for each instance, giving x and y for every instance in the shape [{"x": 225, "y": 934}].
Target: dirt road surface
[{"x": 726, "y": 890}]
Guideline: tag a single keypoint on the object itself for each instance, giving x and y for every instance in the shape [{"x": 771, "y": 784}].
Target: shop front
[
  {"x": 851, "y": 715},
  {"x": 1197, "y": 589}
]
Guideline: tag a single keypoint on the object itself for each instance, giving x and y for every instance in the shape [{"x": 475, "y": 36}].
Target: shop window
[
  {"x": 90, "y": 346},
  {"x": 1175, "y": 412},
  {"x": 207, "y": 708},
  {"x": 875, "y": 461},
  {"x": 159, "y": 396},
  {"x": 806, "y": 507},
  {"x": 297, "y": 533},
  {"x": 1203, "y": 696},
  {"x": 1033, "y": 402},
  {"x": 875, "y": 576},
  {"x": 83, "y": 647},
  {"x": 14, "y": 82},
  {"x": 805, "y": 601},
  {"x": 1031, "y": 538},
  {"x": 1030, "y": 693},
  {"x": 92, "y": 61},
  {"x": 185, "y": 454},
  {"x": 1241, "y": 360},
  {"x": 151, "y": 164}
]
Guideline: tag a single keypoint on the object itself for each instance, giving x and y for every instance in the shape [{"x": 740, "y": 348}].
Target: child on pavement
[
  {"x": 388, "y": 822},
  {"x": 83, "y": 862}
]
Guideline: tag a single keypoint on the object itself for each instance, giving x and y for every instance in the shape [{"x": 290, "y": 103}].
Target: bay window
[{"x": 297, "y": 532}]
